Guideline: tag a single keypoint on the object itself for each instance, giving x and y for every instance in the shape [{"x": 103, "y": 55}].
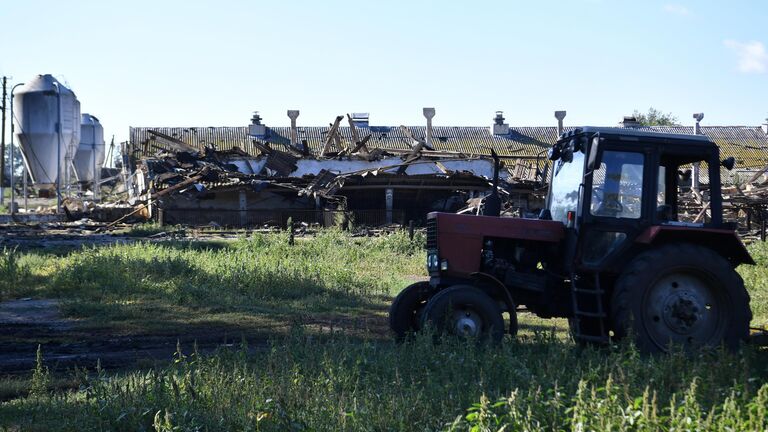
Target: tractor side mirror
[
  {"x": 567, "y": 155},
  {"x": 593, "y": 160},
  {"x": 554, "y": 153},
  {"x": 728, "y": 163},
  {"x": 580, "y": 144}
]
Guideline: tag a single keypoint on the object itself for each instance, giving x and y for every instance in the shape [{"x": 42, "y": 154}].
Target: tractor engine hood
[{"x": 460, "y": 237}]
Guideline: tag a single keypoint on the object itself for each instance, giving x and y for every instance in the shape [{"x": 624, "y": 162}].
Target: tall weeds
[{"x": 341, "y": 383}]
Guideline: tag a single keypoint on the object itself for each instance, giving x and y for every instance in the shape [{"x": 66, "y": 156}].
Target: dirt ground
[
  {"x": 66, "y": 343},
  {"x": 27, "y": 323}
]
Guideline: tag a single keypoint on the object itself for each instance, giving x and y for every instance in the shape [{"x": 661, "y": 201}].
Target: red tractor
[{"x": 609, "y": 252}]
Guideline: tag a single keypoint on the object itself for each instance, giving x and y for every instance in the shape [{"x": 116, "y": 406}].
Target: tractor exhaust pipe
[{"x": 492, "y": 205}]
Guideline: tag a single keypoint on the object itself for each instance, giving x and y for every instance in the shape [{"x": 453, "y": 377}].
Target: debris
[{"x": 347, "y": 183}]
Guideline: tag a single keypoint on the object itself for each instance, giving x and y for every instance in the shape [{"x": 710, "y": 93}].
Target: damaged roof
[
  {"x": 474, "y": 140},
  {"x": 748, "y": 144}
]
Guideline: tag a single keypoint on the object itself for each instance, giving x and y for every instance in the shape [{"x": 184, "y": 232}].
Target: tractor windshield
[
  {"x": 566, "y": 180},
  {"x": 617, "y": 185}
]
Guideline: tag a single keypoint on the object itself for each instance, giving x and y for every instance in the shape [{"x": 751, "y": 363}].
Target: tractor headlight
[
  {"x": 444, "y": 265},
  {"x": 432, "y": 261}
]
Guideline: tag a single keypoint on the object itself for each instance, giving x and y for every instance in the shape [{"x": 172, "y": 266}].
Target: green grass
[
  {"x": 309, "y": 379},
  {"x": 305, "y": 383},
  {"x": 259, "y": 279},
  {"x": 756, "y": 279}
]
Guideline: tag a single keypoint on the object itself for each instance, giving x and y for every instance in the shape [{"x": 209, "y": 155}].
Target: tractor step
[{"x": 589, "y": 315}]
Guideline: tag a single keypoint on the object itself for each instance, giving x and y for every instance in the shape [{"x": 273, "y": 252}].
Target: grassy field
[{"x": 329, "y": 364}]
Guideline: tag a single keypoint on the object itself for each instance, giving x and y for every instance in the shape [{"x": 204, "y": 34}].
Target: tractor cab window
[
  {"x": 617, "y": 185},
  {"x": 678, "y": 200},
  {"x": 567, "y": 178}
]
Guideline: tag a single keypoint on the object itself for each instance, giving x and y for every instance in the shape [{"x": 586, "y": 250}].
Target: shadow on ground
[{"x": 122, "y": 309}]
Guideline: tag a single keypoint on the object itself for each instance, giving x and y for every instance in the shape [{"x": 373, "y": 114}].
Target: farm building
[{"x": 383, "y": 174}]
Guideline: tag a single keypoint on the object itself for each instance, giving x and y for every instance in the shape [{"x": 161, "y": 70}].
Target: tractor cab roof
[{"x": 631, "y": 134}]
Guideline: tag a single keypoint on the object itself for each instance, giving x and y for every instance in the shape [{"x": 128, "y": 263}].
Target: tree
[{"x": 655, "y": 117}]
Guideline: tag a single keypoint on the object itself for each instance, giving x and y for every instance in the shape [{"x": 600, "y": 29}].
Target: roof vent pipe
[
  {"x": 764, "y": 126},
  {"x": 499, "y": 127},
  {"x": 696, "y": 172},
  {"x": 697, "y": 126},
  {"x": 256, "y": 129},
  {"x": 629, "y": 122},
  {"x": 293, "y": 115},
  {"x": 559, "y": 115},
  {"x": 429, "y": 113},
  {"x": 361, "y": 119}
]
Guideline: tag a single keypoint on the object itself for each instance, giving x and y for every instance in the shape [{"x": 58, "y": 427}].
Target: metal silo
[
  {"x": 90, "y": 154},
  {"x": 40, "y": 105}
]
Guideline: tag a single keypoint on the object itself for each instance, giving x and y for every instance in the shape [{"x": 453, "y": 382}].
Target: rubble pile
[
  {"x": 235, "y": 188},
  {"x": 745, "y": 204}
]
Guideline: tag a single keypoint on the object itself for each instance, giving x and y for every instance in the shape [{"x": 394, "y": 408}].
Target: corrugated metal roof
[
  {"x": 749, "y": 145},
  {"x": 524, "y": 142}
]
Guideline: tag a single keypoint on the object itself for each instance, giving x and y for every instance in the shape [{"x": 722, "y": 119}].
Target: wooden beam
[
  {"x": 442, "y": 167},
  {"x": 416, "y": 145},
  {"x": 353, "y": 129},
  {"x": 337, "y": 140},
  {"x": 414, "y": 187},
  {"x": 362, "y": 145},
  {"x": 176, "y": 143},
  {"x": 154, "y": 196},
  {"x": 329, "y": 139},
  {"x": 757, "y": 175},
  {"x": 702, "y": 212}
]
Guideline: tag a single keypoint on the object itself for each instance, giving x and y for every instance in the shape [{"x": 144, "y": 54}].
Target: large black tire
[
  {"x": 680, "y": 294},
  {"x": 466, "y": 312},
  {"x": 405, "y": 309}
]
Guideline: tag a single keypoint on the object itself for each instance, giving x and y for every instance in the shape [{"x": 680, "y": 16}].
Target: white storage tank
[
  {"x": 38, "y": 106},
  {"x": 90, "y": 154}
]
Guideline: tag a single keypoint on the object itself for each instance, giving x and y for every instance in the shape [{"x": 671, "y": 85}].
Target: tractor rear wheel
[
  {"x": 466, "y": 312},
  {"x": 404, "y": 314},
  {"x": 680, "y": 294}
]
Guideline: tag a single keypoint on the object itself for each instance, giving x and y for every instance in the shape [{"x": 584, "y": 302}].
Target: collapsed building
[
  {"x": 366, "y": 174},
  {"x": 356, "y": 173}
]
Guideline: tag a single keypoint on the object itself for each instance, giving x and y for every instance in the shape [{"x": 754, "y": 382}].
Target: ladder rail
[{"x": 597, "y": 313}]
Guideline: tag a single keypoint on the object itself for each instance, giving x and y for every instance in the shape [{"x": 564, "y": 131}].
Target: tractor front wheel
[
  {"x": 680, "y": 294},
  {"x": 404, "y": 314},
  {"x": 466, "y": 312}
]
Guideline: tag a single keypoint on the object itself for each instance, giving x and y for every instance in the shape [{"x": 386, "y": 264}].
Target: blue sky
[{"x": 206, "y": 63}]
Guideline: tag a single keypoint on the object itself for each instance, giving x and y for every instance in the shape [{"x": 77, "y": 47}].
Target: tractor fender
[
  {"x": 488, "y": 282},
  {"x": 723, "y": 241},
  {"x": 497, "y": 287}
]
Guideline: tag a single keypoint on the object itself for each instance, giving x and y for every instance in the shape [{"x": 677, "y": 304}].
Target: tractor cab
[
  {"x": 615, "y": 251},
  {"x": 616, "y": 188}
]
